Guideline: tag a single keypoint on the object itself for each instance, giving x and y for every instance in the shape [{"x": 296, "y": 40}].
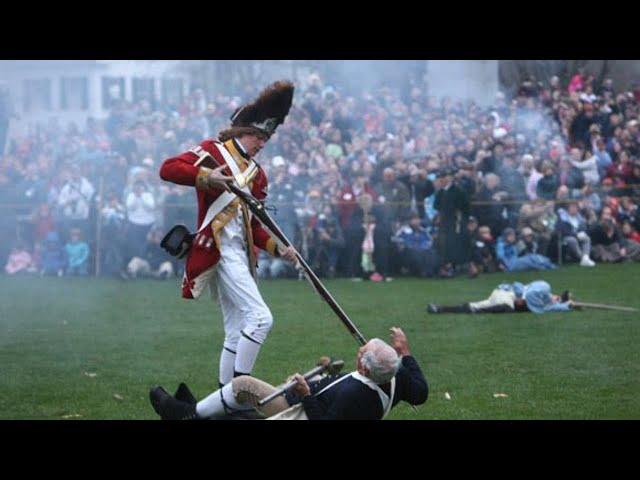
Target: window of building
[
  {"x": 172, "y": 90},
  {"x": 37, "y": 94},
  {"x": 74, "y": 93},
  {"x": 112, "y": 91},
  {"x": 144, "y": 89}
]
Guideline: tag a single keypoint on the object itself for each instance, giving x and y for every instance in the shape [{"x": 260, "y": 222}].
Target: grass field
[{"x": 91, "y": 348}]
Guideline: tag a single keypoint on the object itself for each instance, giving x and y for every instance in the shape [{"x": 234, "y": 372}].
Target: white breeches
[
  {"x": 498, "y": 297},
  {"x": 243, "y": 309}
]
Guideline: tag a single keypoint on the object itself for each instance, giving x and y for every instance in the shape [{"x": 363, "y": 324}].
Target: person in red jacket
[{"x": 221, "y": 255}]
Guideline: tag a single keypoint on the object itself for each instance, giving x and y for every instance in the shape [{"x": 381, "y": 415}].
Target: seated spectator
[
  {"x": 507, "y": 254},
  {"x": 628, "y": 211},
  {"x": 19, "y": 260},
  {"x": 527, "y": 242},
  {"x": 572, "y": 227},
  {"x": 630, "y": 233},
  {"x": 540, "y": 217},
  {"x": 415, "y": 245},
  {"x": 483, "y": 247},
  {"x": 52, "y": 256},
  {"x": 156, "y": 263},
  {"x": 610, "y": 245},
  {"x": 77, "y": 254}
]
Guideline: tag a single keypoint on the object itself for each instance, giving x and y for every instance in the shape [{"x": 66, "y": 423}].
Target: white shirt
[
  {"x": 74, "y": 199},
  {"x": 140, "y": 209}
]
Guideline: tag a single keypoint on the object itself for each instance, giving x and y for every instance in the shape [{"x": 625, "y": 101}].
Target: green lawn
[{"x": 91, "y": 348}]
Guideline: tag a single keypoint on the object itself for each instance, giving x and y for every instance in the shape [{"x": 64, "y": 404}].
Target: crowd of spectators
[{"x": 369, "y": 185}]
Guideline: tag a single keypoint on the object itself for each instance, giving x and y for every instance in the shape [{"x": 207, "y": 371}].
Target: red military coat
[{"x": 204, "y": 253}]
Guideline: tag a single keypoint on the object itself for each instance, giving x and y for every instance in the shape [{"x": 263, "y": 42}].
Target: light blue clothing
[
  {"x": 507, "y": 253},
  {"x": 428, "y": 201},
  {"x": 603, "y": 160},
  {"x": 537, "y": 295},
  {"x": 77, "y": 254}
]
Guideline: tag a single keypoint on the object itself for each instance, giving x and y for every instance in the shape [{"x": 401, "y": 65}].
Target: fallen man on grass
[
  {"x": 533, "y": 297},
  {"x": 385, "y": 375}
]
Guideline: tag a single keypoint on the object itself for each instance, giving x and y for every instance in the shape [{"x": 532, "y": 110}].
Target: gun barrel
[{"x": 602, "y": 306}]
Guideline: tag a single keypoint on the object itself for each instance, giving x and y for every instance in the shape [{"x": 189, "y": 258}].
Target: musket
[
  {"x": 602, "y": 306},
  {"x": 333, "y": 367},
  {"x": 257, "y": 208}
]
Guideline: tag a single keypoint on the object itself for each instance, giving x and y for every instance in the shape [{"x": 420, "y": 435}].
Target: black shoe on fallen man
[
  {"x": 169, "y": 408},
  {"x": 432, "y": 308},
  {"x": 184, "y": 394}
]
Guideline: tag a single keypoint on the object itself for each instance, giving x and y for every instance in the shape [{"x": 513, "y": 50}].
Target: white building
[
  {"x": 73, "y": 90},
  {"x": 464, "y": 79}
]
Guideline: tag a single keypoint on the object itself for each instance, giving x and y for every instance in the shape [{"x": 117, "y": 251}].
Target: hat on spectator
[{"x": 527, "y": 231}]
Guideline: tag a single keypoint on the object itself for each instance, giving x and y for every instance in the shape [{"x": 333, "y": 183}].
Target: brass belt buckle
[{"x": 243, "y": 180}]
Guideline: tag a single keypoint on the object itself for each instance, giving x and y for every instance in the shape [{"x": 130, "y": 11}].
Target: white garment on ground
[
  {"x": 141, "y": 209},
  {"x": 497, "y": 297}
]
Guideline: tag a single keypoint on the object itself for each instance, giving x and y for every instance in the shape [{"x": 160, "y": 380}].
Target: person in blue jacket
[{"x": 507, "y": 255}]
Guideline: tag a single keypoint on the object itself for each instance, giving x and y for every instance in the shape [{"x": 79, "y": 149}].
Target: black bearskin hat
[{"x": 268, "y": 111}]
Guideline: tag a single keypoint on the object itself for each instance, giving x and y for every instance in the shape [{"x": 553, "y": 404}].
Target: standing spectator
[
  {"x": 326, "y": 243},
  {"x": 530, "y": 175},
  {"x": 420, "y": 187},
  {"x": 547, "y": 186},
  {"x": 77, "y": 253},
  {"x": 6, "y": 112},
  {"x": 140, "y": 217},
  {"x": 75, "y": 200},
  {"x": 489, "y": 209},
  {"x": 43, "y": 222},
  {"x": 113, "y": 217},
  {"x": 603, "y": 159},
  {"x": 453, "y": 210},
  {"x": 588, "y": 166},
  {"x": 393, "y": 197}
]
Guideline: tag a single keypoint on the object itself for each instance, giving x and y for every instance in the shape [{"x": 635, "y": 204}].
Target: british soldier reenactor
[{"x": 221, "y": 254}]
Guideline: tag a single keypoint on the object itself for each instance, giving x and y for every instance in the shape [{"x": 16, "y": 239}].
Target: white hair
[{"x": 381, "y": 360}]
